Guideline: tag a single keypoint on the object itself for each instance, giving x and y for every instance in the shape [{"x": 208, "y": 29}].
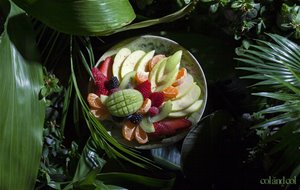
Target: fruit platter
[{"x": 147, "y": 91}]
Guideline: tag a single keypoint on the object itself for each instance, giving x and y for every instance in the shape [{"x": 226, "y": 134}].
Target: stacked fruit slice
[{"x": 145, "y": 93}]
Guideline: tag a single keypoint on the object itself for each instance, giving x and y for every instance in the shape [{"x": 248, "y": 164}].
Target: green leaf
[
  {"x": 169, "y": 18},
  {"x": 22, "y": 113},
  {"x": 134, "y": 181},
  {"x": 89, "y": 160},
  {"x": 80, "y": 17}
]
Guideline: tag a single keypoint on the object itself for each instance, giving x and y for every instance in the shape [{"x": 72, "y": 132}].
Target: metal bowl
[{"x": 165, "y": 46}]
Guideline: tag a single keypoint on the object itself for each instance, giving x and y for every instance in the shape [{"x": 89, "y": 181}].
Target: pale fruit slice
[
  {"x": 129, "y": 63},
  {"x": 154, "y": 71},
  {"x": 165, "y": 111},
  {"x": 141, "y": 66},
  {"x": 103, "y": 98},
  {"x": 191, "y": 109},
  {"x": 171, "y": 67},
  {"x": 173, "y": 61},
  {"x": 185, "y": 86},
  {"x": 127, "y": 79},
  {"x": 118, "y": 60},
  {"x": 147, "y": 125},
  {"x": 188, "y": 99},
  {"x": 168, "y": 80}
]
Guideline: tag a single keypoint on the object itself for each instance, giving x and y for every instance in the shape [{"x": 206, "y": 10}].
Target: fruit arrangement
[{"x": 148, "y": 95}]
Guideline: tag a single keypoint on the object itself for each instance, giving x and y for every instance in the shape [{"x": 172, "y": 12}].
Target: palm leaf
[
  {"x": 22, "y": 113},
  {"x": 277, "y": 66},
  {"x": 279, "y": 60}
]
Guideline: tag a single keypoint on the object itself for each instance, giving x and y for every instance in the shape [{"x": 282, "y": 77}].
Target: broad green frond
[{"x": 21, "y": 112}]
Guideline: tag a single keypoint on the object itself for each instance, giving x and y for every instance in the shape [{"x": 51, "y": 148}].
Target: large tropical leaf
[
  {"x": 276, "y": 65},
  {"x": 21, "y": 111},
  {"x": 81, "y": 17}
]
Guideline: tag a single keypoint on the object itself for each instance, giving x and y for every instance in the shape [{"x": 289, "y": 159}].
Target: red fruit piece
[
  {"x": 106, "y": 67},
  {"x": 100, "y": 88},
  {"x": 157, "y": 98},
  {"x": 98, "y": 75},
  {"x": 170, "y": 126},
  {"x": 144, "y": 88},
  {"x": 100, "y": 80},
  {"x": 153, "y": 111}
]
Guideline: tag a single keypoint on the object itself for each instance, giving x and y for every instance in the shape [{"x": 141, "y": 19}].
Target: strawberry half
[
  {"x": 170, "y": 126},
  {"x": 144, "y": 88},
  {"x": 106, "y": 67},
  {"x": 98, "y": 75},
  {"x": 100, "y": 80},
  {"x": 157, "y": 98}
]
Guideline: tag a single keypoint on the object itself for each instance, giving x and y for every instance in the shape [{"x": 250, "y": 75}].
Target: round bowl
[{"x": 165, "y": 46}]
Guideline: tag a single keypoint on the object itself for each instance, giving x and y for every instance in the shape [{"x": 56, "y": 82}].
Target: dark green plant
[
  {"x": 276, "y": 67},
  {"x": 250, "y": 18}
]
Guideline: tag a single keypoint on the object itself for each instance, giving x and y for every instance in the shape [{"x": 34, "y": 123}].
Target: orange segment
[
  {"x": 182, "y": 73},
  {"x": 170, "y": 92},
  {"x": 140, "y": 135},
  {"x": 155, "y": 60},
  {"x": 128, "y": 130},
  {"x": 101, "y": 113},
  {"x": 141, "y": 77},
  {"x": 145, "y": 107},
  {"x": 94, "y": 101}
]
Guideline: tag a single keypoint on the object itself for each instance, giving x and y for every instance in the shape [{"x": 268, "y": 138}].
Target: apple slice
[
  {"x": 167, "y": 80},
  {"x": 147, "y": 125},
  {"x": 118, "y": 60},
  {"x": 129, "y": 63},
  {"x": 154, "y": 71},
  {"x": 173, "y": 61},
  {"x": 167, "y": 71},
  {"x": 188, "y": 99},
  {"x": 127, "y": 79},
  {"x": 191, "y": 109},
  {"x": 185, "y": 86},
  {"x": 141, "y": 66}
]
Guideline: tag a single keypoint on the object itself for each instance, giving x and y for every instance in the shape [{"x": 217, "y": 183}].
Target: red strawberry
[
  {"x": 157, "y": 98},
  {"x": 100, "y": 80},
  {"x": 100, "y": 88},
  {"x": 170, "y": 126},
  {"x": 106, "y": 67},
  {"x": 98, "y": 75},
  {"x": 144, "y": 88}
]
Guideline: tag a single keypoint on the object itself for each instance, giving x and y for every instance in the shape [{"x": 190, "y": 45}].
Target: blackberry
[
  {"x": 135, "y": 118},
  {"x": 112, "y": 83}
]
